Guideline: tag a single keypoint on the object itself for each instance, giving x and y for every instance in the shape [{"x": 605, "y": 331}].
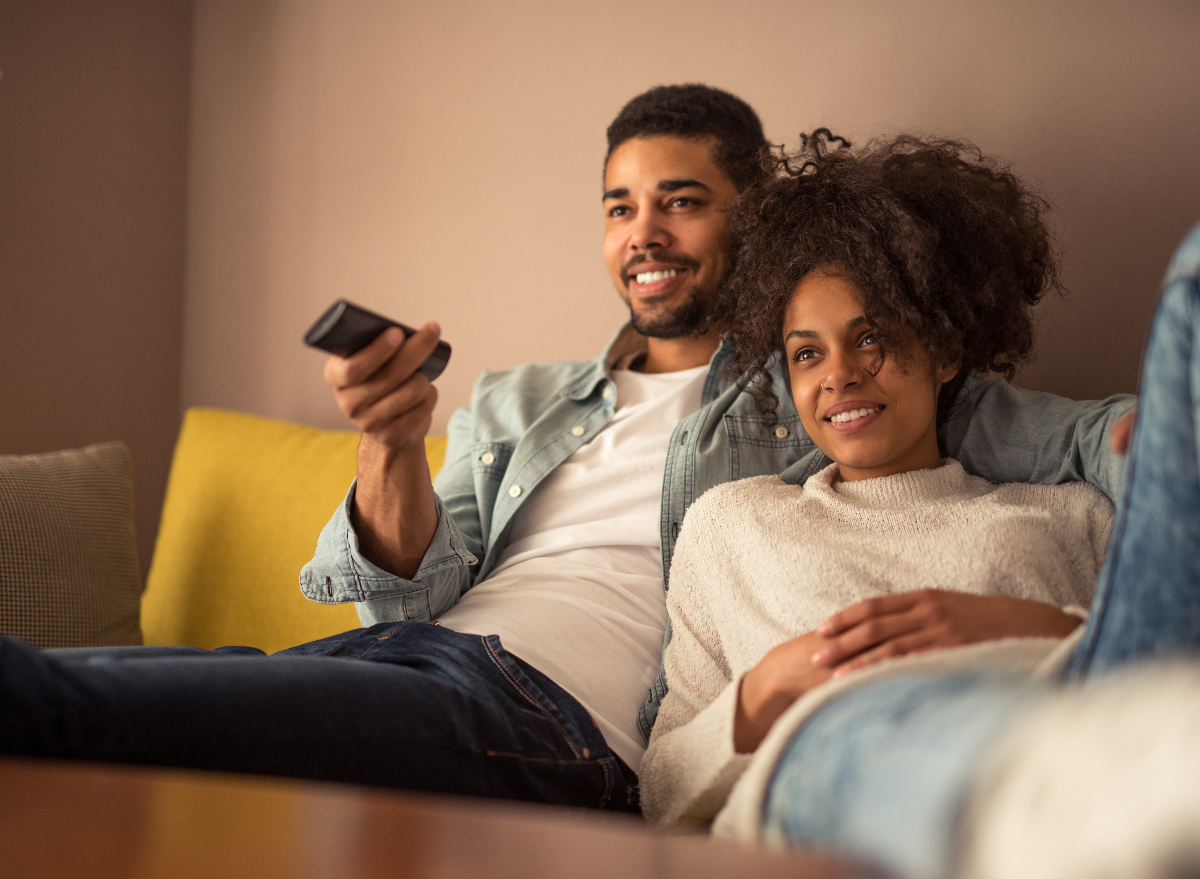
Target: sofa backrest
[{"x": 246, "y": 498}]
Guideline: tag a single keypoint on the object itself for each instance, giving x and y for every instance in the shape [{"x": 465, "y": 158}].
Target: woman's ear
[{"x": 947, "y": 371}]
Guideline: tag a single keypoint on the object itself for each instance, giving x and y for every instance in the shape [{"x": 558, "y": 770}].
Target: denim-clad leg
[
  {"x": 1147, "y": 601},
  {"x": 882, "y": 771},
  {"x": 408, "y": 705}
]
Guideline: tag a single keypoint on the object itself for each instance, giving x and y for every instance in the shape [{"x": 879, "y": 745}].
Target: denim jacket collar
[
  {"x": 625, "y": 341},
  {"x": 628, "y": 340}
]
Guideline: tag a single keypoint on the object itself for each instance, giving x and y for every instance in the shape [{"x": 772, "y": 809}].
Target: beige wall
[
  {"x": 443, "y": 160},
  {"x": 93, "y": 142}
]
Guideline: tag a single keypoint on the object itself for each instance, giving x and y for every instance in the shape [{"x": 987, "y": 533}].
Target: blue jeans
[
  {"x": 881, "y": 772},
  {"x": 408, "y": 705}
]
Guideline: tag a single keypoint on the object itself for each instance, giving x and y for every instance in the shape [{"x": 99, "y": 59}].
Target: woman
[{"x": 893, "y": 273}]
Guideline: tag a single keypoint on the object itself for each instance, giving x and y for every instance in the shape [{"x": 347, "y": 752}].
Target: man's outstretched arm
[
  {"x": 382, "y": 391},
  {"x": 1006, "y": 434}
]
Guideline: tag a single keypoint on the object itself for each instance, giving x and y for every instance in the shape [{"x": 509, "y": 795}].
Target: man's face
[{"x": 665, "y": 231}]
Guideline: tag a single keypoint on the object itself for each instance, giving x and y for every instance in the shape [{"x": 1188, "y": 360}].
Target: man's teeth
[
  {"x": 655, "y": 277},
  {"x": 852, "y": 415}
]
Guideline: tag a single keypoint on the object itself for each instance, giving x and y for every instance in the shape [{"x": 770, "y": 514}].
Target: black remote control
[{"x": 346, "y": 328}]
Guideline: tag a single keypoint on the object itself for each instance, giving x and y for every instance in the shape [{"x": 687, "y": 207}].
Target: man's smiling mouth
[
  {"x": 647, "y": 269},
  {"x": 655, "y": 277}
]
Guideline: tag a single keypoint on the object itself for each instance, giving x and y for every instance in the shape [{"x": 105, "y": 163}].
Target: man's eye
[
  {"x": 618, "y": 211},
  {"x": 682, "y": 201}
]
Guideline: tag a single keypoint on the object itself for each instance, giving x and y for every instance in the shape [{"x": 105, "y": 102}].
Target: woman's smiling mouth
[{"x": 853, "y": 415}]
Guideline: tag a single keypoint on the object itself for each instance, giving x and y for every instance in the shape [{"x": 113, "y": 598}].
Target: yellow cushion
[{"x": 246, "y": 499}]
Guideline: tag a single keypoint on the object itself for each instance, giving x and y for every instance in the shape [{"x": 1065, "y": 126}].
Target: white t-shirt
[{"x": 578, "y": 592}]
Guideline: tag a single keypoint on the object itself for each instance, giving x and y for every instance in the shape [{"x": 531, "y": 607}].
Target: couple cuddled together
[{"x": 876, "y": 290}]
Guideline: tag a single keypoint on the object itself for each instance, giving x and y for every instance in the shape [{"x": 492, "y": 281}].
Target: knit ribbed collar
[{"x": 899, "y": 491}]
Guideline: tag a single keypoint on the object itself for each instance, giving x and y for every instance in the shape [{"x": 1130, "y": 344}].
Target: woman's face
[{"x": 873, "y": 419}]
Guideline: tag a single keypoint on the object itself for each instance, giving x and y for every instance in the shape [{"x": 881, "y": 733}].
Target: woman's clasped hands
[{"x": 876, "y": 629}]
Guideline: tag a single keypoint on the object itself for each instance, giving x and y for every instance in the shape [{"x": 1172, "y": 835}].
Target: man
[{"x": 545, "y": 548}]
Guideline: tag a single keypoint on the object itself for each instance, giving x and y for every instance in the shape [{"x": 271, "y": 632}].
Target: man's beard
[{"x": 691, "y": 317}]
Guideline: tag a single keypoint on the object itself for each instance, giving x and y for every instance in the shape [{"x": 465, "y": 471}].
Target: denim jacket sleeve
[
  {"x": 339, "y": 572},
  {"x": 1007, "y": 434}
]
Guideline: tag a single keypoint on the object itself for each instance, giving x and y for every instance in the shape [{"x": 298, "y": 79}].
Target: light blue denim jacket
[{"x": 520, "y": 425}]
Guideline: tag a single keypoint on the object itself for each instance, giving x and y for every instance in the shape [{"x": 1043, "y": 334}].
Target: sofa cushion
[
  {"x": 246, "y": 499},
  {"x": 68, "y": 559}
]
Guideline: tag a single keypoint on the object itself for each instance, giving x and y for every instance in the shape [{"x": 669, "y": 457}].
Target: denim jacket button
[
  {"x": 515, "y": 491},
  {"x": 607, "y": 392},
  {"x": 487, "y": 458},
  {"x": 576, "y": 431},
  {"x": 781, "y": 431}
]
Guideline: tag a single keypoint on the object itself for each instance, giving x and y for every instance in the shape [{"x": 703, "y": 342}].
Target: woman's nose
[{"x": 841, "y": 371}]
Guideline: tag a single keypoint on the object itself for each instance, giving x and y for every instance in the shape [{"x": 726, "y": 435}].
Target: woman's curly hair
[{"x": 947, "y": 248}]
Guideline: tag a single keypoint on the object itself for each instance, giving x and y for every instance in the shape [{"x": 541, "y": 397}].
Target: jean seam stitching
[
  {"x": 393, "y": 630},
  {"x": 533, "y": 700},
  {"x": 545, "y": 760}
]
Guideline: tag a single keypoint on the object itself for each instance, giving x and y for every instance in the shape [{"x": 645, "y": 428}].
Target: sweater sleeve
[
  {"x": 690, "y": 765},
  {"x": 1100, "y": 514},
  {"x": 1090, "y": 516}
]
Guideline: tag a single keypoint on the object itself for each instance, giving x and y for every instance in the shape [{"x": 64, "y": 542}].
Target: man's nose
[{"x": 649, "y": 232}]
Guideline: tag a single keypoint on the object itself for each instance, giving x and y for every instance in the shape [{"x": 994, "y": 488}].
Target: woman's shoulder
[
  {"x": 1076, "y": 495},
  {"x": 1079, "y": 495}
]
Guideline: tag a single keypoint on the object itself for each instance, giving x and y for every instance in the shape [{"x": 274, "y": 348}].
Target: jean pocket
[{"x": 542, "y": 695}]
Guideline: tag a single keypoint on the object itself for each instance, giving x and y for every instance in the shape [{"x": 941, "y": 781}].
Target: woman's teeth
[
  {"x": 655, "y": 277},
  {"x": 851, "y": 415}
]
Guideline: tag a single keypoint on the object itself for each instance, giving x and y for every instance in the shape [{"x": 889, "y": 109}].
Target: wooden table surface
[{"x": 81, "y": 820}]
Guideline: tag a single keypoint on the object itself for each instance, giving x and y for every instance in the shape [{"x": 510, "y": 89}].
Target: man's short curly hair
[
  {"x": 696, "y": 111},
  {"x": 947, "y": 248}
]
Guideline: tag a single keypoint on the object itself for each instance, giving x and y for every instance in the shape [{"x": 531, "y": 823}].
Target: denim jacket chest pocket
[
  {"x": 489, "y": 463},
  {"x": 758, "y": 449}
]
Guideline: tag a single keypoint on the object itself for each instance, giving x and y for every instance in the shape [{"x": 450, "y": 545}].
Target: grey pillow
[{"x": 68, "y": 561}]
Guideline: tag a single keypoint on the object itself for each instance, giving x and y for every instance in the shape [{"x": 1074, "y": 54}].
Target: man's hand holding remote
[{"x": 382, "y": 391}]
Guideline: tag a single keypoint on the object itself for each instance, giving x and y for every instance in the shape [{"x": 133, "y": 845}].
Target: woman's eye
[
  {"x": 868, "y": 339},
  {"x": 803, "y": 355}
]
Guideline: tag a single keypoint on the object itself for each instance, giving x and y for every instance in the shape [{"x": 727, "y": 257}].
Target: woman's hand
[
  {"x": 917, "y": 622},
  {"x": 877, "y": 629},
  {"x": 779, "y": 679}
]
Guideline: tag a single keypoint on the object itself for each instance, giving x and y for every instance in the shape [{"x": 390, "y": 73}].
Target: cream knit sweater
[{"x": 760, "y": 561}]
